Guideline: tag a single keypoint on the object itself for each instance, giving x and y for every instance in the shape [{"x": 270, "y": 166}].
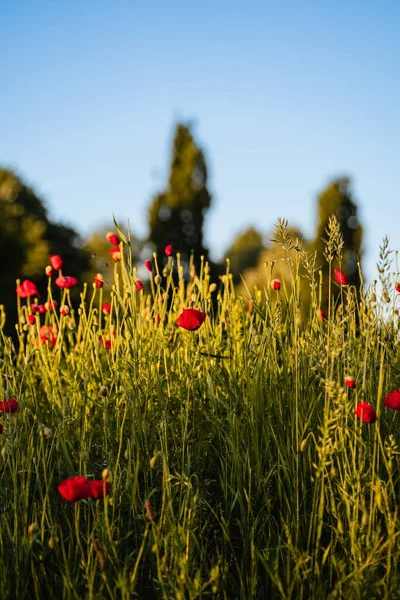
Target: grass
[{"x": 238, "y": 467}]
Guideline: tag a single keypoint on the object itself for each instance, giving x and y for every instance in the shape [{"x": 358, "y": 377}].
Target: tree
[
  {"x": 176, "y": 215},
  {"x": 337, "y": 200},
  {"x": 244, "y": 252},
  {"x": 27, "y": 239}
]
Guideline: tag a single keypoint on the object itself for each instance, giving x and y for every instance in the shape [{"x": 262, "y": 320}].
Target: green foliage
[
  {"x": 244, "y": 252},
  {"x": 239, "y": 469},
  {"x": 336, "y": 200},
  {"x": 28, "y": 238},
  {"x": 176, "y": 216}
]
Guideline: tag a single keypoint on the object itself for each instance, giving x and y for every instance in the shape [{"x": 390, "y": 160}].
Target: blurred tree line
[{"x": 176, "y": 216}]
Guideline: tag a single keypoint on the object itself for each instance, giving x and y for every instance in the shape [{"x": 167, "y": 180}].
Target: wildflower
[
  {"x": 98, "y": 489},
  {"x": 106, "y": 343},
  {"x": 168, "y": 250},
  {"x": 52, "y": 305},
  {"x": 34, "y": 308},
  {"x": 66, "y": 282},
  {"x": 27, "y": 289},
  {"x": 47, "y": 336},
  {"x": 148, "y": 266},
  {"x": 42, "y": 309},
  {"x": 397, "y": 287},
  {"x": 341, "y": 278},
  {"x": 74, "y": 488},
  {"x": 191, "y": 319},
  {"x": 115, "y": 253},
  {"x": 139, "y": 285},
  {"x": 9, "y": 406},
  {"x": 64, "y": 310},
  {"x": 322, "y": 314},
  {"x": 56, "y": 262},
  {"x": 49, "y": 271},
  {"x": 31, "y": 319},
  {"x": 113, "y": 238},
  {"x": 106, "y": 308},
  {"x": 350, "y": 382},
  {"x": 276, "y": 284},
  {"x": 392, "y": 400},
  {"x": 98, "y": 280},
  {"x": 365, "y": 412}
]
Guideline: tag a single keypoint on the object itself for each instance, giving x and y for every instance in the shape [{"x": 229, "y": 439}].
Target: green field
[{"x": 237, "y": 465}]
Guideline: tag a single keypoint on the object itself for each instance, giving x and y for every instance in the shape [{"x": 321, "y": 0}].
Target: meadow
[{"x": 233, "y": 456}]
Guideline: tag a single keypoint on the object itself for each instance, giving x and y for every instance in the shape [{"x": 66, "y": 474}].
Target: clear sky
[{"x": 284, "y": 96}]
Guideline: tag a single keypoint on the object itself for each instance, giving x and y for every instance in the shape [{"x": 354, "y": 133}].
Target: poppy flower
[
  {"x": 158, "y": 319},
  {"x": 113, "y": 238},
  {"x": 139, "y": 285},
  {"x": 148, "y": 266},
  {"x": 98, "y": 489},
  {"x": 56, "y": 262},
  {"x": 64, "y": 310},
  {"x": 392, "y": 400},
  {"x": 98, "y": 280},
  {"x": 276, "y": 284},
  {"x": 341, "y": 278},
  {"x": 27, "y": 289},
  {"x": 42, "y": 309},
  {"x": 322, "y": 314},
  {"x": 106, "y": 308},
  {"x": 49, "y": 271},
  {"x": 191, "y": 319},
  {"x": 74, "y": 488},
  {"x": 115, "y": 253},
  {"x": 106, "y": 343},
  {"x": 365, "y": 412},
  {"x": 350, "y": 382},
  {"x": 66, "y": 282},
  {"x": 397, "y": 287},
  {"x": 168, "y": 250},
  {"x": 47, "y": 336},
  {"x": 34, "y": 308},
  {"x": 31, "y": 319},
  {"x": 9, "y": 406}
]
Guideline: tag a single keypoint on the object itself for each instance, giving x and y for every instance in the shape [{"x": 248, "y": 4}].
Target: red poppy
[
  {"x": 98, "y": 489},
  {"x": 106, "y": 308},
  {"x": 365, "y": 412},
  {"x": 64, "y": 310},
  {"x": 27, "y": 289},
  {"x": 66, "y": 282},
  {"x": 42, "y": 309},
  {"x": 9, "y": 406},
  {"x": 56, "y": 262},
  {"x": 74, "y": 488},
  {"x": 276, "y": 284},
  {"x": 47, "y": 336},
  {"x": 392, "y": 400},
  {"x": 397, "y": 287},
  {"x": 106, "y": 343},
  {"x": 350, "y": 382},
  {"x": 139, "y": 285},
  {"x": 49, "y": 271},
  {"x": 52, "y": 305},
  {"x": 322, "y": 314},
  {"x": 31, "y": 319},
  {"x": 340, "y": 277},
  {"x": 148, "y": 266},
  {"x": 115, "y": 253},
  {"x": 191, "y": 319},
  {"x": 34, "y": 308},
  {"x": 168, "y": 250},
  {"x": 113, "y": 238},
  {"x": 98, "y": 280}
]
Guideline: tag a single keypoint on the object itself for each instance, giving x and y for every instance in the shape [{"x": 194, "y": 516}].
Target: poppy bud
[
  {"x": 397, "y": 287},
  {"x": 64, "y": 310},
  {"x": 113, "y": 238},
  {"x": 98, "y": 280},
  {"x": 32, "y": 528},
  {"x": 49, "y": 271},
  {"x": 115, "y": 253},
  {"x": 139, "y": 285},
  {"x": 212, "y": 288},
  {"x": 66, "y": 282},
  {"x": 157, "y": 279},
  {"x": 103, "y": 391},
  {"x": 169, "y": 250},
  {"x": 322, "y": 314},
  {"x": 31, "y": 319},
  {"x": 56, "y": 262},
  {"x": 42, "y": 309},
  {"x": 106, "y": 475},
  {"x": 106, "y": 308},
  {"x": 350, "y": 382},
  {"x": 276, "y": 284},
  {"x": 148, "y": 266},
  {"x": 341, "y": 277}
]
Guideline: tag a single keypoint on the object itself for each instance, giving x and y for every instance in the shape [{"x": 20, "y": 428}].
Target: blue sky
[{"x": 284, "y": 96}]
